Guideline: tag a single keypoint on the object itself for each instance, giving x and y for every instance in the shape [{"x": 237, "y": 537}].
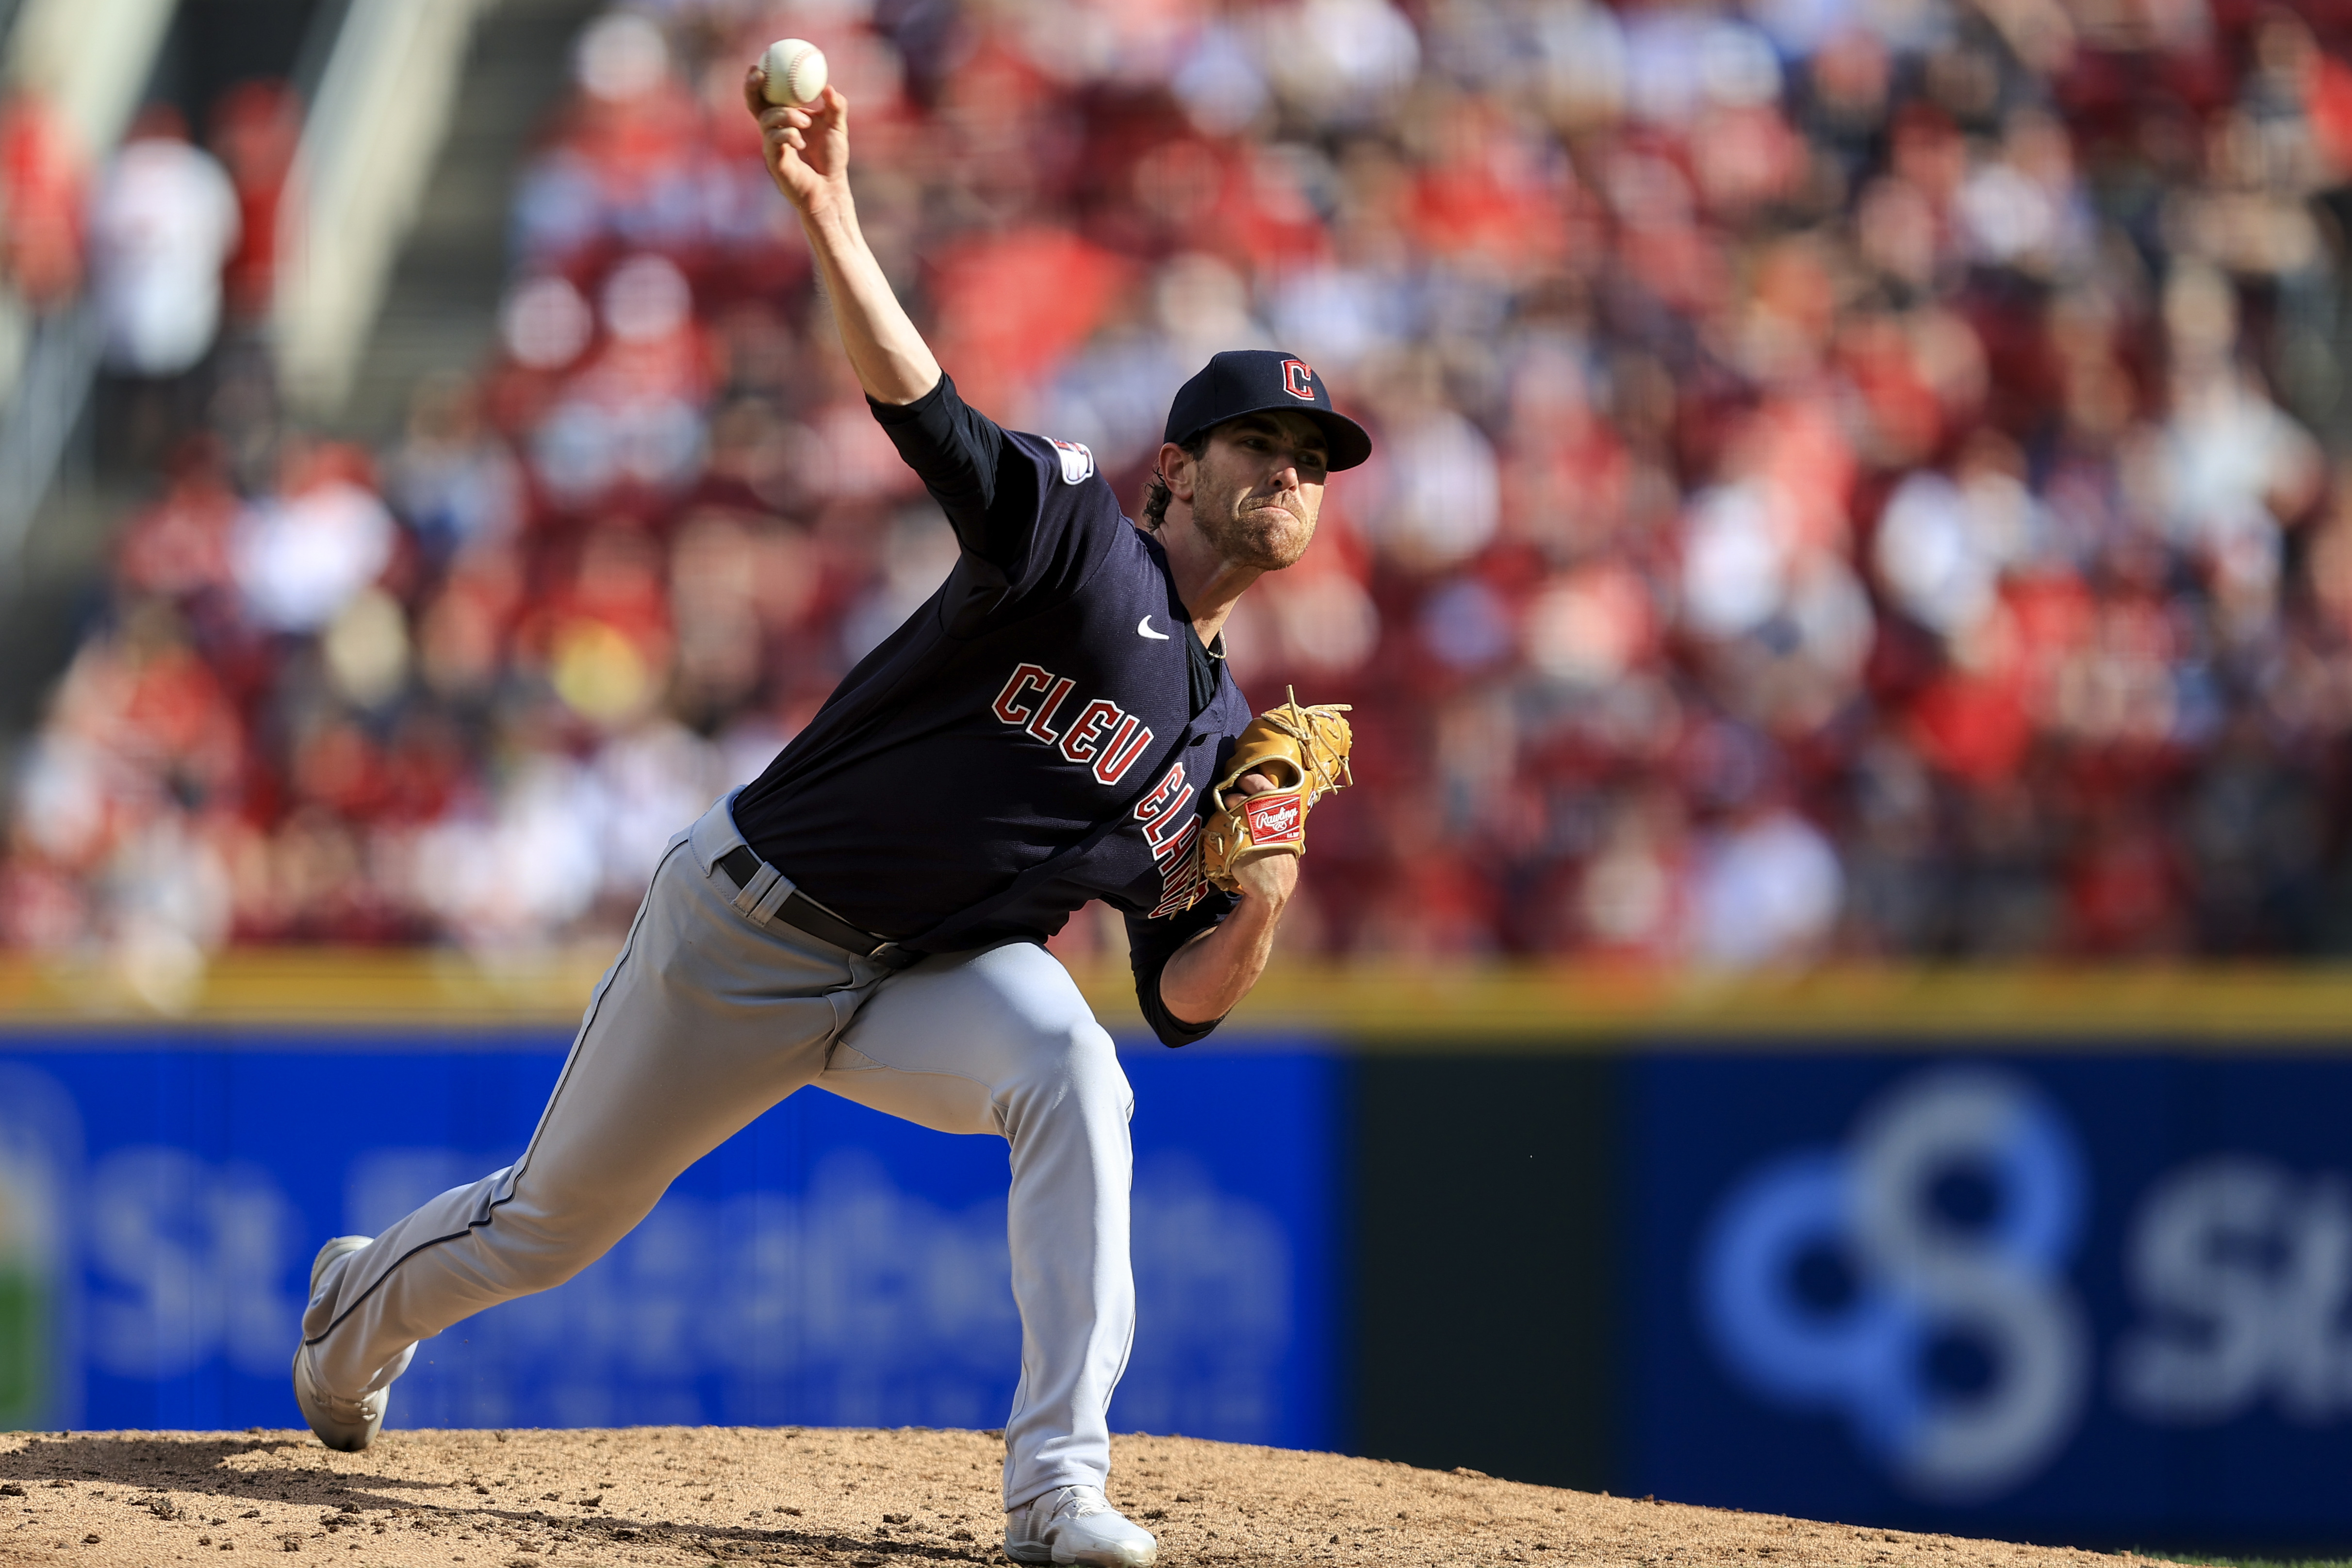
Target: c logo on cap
[{"x": 1299, "y": 380}]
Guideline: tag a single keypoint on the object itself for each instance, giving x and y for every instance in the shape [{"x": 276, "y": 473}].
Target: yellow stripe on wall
[{"x": 1390, "y": 1006}]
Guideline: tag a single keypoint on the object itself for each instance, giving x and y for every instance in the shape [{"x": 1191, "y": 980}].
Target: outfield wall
[
  {"x": 2005, "y": 1291},
  {"x": 2018, "y": 1255},
  {"x": 830, "y": 1266}
]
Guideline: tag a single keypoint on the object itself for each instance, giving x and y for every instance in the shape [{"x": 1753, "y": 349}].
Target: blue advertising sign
[
  {"x": 2037, "y": 1296},
  {"x": 160, "y": 1201}
]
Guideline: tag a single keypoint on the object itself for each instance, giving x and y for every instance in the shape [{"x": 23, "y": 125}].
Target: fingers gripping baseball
[{"x": 806, "y": 149}]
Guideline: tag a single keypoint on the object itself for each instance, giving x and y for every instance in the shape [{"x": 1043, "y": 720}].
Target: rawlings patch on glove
[{"x": 1304, "y": 751}]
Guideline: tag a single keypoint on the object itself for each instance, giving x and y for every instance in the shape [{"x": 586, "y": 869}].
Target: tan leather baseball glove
[{"x": 1304, "y": 750}]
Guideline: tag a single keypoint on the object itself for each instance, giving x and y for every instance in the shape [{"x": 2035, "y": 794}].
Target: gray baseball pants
[{"x": 712, "y": 1014}]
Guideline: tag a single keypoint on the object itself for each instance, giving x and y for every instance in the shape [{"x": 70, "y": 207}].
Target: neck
[{"x": 1208, "y": 584}]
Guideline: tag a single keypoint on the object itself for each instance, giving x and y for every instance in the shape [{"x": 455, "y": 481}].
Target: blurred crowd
[
  {"x": 169, "y": 241},
  {"x": 1853, "y": 478}
]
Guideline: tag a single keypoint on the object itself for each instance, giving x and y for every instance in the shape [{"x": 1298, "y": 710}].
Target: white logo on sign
[
  {"x": 2242, "y": 1270},
  {"x": 193, "y": 1260},
  {"x": 1077, "y": 463},
  {"x": 1856, "y": 1279}
]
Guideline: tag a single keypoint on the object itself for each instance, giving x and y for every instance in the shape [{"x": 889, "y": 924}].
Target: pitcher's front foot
[{"x": 1075, "y": 1524}]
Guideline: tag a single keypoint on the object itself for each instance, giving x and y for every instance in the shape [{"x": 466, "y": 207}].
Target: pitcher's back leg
[{"x": 703, "y": 1022}]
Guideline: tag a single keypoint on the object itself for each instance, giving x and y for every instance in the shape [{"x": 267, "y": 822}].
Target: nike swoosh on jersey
[{"x": 1143, "y": 629}]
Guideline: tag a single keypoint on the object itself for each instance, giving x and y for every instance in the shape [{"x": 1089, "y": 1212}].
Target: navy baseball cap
[{"x": 1263, "y": 381}]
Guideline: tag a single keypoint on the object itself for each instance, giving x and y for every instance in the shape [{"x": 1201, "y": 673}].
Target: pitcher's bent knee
[{"x": 1069, "y": 1072}]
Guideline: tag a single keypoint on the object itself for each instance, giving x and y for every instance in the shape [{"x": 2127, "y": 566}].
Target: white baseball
[{"x": 795, "y": 71}]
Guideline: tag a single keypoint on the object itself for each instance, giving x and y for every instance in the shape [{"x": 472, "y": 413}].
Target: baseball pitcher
[{"x": 1055, "y": 725}]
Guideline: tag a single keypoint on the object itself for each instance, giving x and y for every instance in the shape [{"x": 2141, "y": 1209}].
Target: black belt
[{"x": 799, "y": 911}]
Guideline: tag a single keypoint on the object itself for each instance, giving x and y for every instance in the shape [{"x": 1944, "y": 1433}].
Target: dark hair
[{"x": 1156, "y": 494}]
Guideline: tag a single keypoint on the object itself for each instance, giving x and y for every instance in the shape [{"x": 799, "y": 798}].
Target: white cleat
[
  {"x": 1074, "y": 1524},
  {"x": 349, "y": 1425}
]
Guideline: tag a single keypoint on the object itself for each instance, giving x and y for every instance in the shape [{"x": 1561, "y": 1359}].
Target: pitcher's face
[{"x": 1258, "y": 489}]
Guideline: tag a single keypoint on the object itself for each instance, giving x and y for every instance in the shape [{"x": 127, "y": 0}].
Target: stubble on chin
[{"x": 1266, "y": 535}]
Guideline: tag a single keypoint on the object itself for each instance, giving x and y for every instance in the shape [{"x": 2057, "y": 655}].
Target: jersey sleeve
[
  {"x": 1019, "y": 502},
  {"x": 955, "y": 450},
  {"x": 1151, "y": 944}
]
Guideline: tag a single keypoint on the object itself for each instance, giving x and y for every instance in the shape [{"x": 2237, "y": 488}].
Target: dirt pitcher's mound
[{"x": 690, "y": 1495}]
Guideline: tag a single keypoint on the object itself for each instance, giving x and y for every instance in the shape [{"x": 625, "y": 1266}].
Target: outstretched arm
[{"x": 807, "y": 153}]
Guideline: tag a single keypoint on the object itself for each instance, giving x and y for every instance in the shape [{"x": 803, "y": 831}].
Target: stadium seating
[{"x": 1852, "y": 481}]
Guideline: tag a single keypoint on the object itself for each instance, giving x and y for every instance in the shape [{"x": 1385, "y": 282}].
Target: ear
[{"x": 1176, "y": 470}]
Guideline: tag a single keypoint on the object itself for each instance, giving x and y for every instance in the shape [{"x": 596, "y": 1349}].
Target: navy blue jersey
[{"x": 1053, "y": 682}]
